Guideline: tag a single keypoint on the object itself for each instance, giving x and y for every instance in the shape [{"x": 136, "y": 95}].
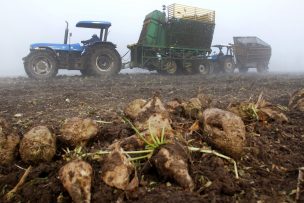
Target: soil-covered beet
[
  {"x": 268, "y": 168},
  {"x": 226, "y": 131},
  {"x": 77, "y": 131},
  {"x": 39, "y": 144},
  {"x": 76, "y": 177},
  {"x": 8, "y": 148},
  {"x": 116, "y": 169},
  {"x": 171, "y": 162}
]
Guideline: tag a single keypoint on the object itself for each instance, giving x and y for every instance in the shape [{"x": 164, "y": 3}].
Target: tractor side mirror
[{"x": 71, "y": 34}]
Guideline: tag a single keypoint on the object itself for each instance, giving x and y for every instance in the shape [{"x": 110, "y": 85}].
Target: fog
[{"x": 278, "y": 22}]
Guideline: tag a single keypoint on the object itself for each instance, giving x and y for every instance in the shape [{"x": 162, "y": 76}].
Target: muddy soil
[{"x": 268, "y": 170}]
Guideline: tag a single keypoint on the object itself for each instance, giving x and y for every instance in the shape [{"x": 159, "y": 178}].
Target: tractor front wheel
[
  {"x": 229, "y": 65},
  {"x": 40, "y": 65},
  {"x": 203, "y": 68},
  {"x": 104, "y": 61}
]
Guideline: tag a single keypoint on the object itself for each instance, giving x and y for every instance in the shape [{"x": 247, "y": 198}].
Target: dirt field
[{"x": 268, "y": 170}]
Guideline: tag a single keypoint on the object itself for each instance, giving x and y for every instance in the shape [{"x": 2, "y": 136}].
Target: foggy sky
[{"x": 278, "y": 22}]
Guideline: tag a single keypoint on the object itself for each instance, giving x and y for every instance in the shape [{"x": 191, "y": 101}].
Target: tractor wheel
[
  {"x": 229, "y": 65},
  {"x": 41, "y": 65},
  {"x": 104, "y": 61},
  {"x": 261, "y": 68},
  {"x": 243, "y": 69},
  {"x": 203, "y": 68}
]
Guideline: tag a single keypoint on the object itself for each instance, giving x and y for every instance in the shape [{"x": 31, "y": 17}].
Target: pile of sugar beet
[{"x": 155, "y": 143}]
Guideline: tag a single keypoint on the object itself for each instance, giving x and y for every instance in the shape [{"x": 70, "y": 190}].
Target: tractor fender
[
  {"x": 91, "y": 47},
  {"x": 46, "y": 49}
]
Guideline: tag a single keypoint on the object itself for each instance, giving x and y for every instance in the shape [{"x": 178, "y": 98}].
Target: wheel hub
[
  {"x": 171, "y": 67},
  {"x": 203, "y": 69},
  {"x": 42, "y": 67},
  {"x": 229, "y": 67},
  {"x": 103, "y": 63}
]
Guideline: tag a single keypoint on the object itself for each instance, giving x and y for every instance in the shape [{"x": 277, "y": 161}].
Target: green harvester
[{"x": 178, "y": 42}]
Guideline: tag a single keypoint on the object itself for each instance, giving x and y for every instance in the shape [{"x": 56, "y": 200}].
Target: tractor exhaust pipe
[{"x": 66, "y": 33}]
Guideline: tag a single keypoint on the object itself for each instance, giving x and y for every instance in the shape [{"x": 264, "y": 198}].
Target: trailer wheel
[
  {"x": 229, "y": 65},
  {"x": 104, "y": 61},
  {"x": 170, "y": 67},
  {"x": 40, "y": 65},
  {"x": 261, "y": 68}
]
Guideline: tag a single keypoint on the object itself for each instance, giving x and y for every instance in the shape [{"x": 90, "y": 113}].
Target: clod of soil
[
  {"x": 77, "y": 131},
  {"x": 39, "y": 144},
  {"x": 116, "y": 169},
  {"x": 171, "y": 161},
  {"x": 8, "y": 148},
  {"x": 297, "y": 100},
  {"x": 152, "y": 117},
  {"x": 226, "y": 131},
  {"x": 76, "y": 177}
]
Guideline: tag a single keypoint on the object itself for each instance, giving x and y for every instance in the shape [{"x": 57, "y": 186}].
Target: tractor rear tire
[
  {"x": 229, "y": 65},
  {"x": 40, "y": 65},
  {"x": 104, "y": 61}
]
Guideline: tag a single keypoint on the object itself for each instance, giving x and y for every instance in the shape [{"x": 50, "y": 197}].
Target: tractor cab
[
  {"x": 222, "y": 52},
  {"x": 103, "y": 33}
]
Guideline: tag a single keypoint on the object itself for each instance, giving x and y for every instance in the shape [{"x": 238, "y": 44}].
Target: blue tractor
[
  {"x": 223, "y": 60},
  {"x": 95, "y": 56}
]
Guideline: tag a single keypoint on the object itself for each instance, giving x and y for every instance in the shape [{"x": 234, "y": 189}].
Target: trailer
[
  {"x": 251, "y": 52},
  {"x": 178, "y": 42}
]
